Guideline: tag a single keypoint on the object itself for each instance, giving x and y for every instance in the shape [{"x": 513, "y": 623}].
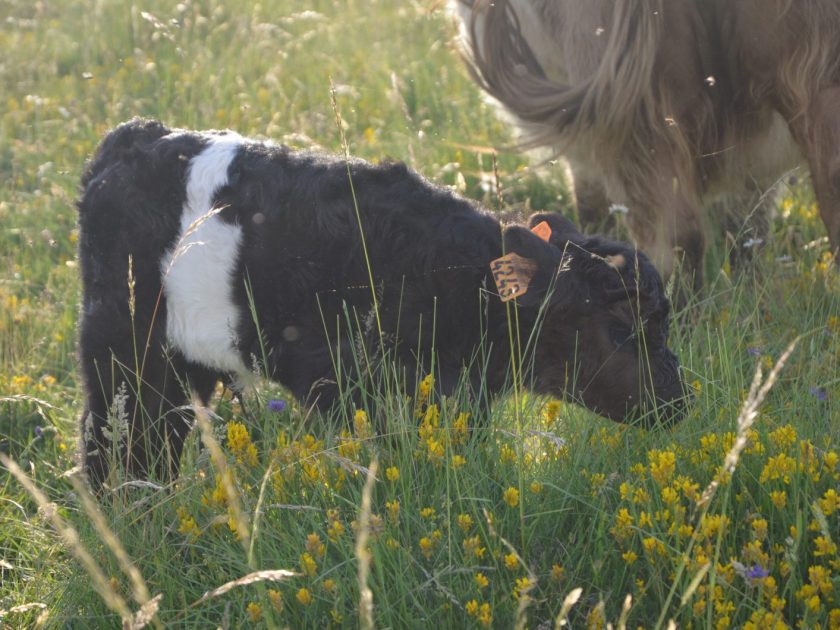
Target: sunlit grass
[{"x": 473, "y": 521}]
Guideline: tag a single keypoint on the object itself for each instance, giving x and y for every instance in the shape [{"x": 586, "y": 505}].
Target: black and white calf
[{"x": 208, "y": 255}]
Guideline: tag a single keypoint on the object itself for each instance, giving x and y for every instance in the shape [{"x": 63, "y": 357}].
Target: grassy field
[{"x": 493, "y": 527}]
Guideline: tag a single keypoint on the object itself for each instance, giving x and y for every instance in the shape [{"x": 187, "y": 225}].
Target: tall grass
[{"x": 496, "y": 525}]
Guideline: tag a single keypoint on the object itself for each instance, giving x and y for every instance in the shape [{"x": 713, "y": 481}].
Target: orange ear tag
[
  {"x": 512, "y": 274},
  {"x": 543, "y": 230}
]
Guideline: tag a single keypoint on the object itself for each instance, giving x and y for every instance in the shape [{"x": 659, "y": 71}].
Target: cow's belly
[{"x": 757, "y": 161}]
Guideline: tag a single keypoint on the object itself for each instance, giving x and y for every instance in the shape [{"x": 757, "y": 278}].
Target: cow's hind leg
[{"x": 818, "y": 134}]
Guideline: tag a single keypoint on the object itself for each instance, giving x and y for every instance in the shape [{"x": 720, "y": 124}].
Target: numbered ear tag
[
  {"x": 543, "y": 230},
  {"x": 512, "y": 274}
]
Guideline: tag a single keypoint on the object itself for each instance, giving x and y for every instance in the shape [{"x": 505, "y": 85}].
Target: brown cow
[{"x": 673, "y": 105}]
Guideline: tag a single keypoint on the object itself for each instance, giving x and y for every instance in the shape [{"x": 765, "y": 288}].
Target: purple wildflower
[
  {"x": 819, "y": 393},
  {"x": 276, "y": 405},
  {"x": 755, "y": 352},
  {"x": 757, "y": 572},
  {"x": 39, "y": 432}
]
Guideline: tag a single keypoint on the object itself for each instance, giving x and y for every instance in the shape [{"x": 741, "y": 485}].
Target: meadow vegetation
[{"x": 468, "y": 521}]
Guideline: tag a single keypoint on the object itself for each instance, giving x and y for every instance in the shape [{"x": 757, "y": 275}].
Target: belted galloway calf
[
  {"x": 206, "y": 255},
  {"x": 677, "y": 107}
]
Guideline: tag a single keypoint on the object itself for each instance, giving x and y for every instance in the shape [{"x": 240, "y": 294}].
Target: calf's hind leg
[{"x": 133, "y": 396}]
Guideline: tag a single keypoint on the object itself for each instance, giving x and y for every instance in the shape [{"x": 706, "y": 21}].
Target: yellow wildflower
[
  {"x": 304, "y": 596},
  {"x": 511, "y": 561},
  {"x": 465, "y": 522},
  {"x": 779, "y": 499},
  {"x": 669, "y": 495},
  {"x": 315, "y": 546},
  {"x": 361, "y": 425},
  {"x": 473, "y": 549},
  {"x": 240, "y": 444},
  {"x": 328, "y": 585},
  {"x": 507, "y": 455},
  {"x": 428, "y": 512},
  {"x": 276, "y": 599},
  {"x": 824, "y": 547},
  {"x": 557, "y": 572},
  {"x": 426, "y": 546},
  {"x": 481, "y": 580},
  {"x": 521, "y": 587},
  {"x": 392, "y": 473},
  {"x": 623, "y": 525},
  {"x": 629, "y": 557},
  {"x": 425, "y": 387},
  {"x": 254, "y": 611},
  {"x": 484, "y": 616},
  {"x": 552, "y": 412},
  {"x": 830, "y": 502},
  {"x": 187, "y": 524},
  {"x": 759, "y": 526},
  {"x": 472, "y": 607},
  {"x": 779, "y": 467},
  {"x": 662, "y": 466},
  {"x": 335, "y": 530},
  {"x": 308, "y": 566},
  {"x": 458, "y": 461},
  {"x": 511, "y": 497},
  {"x": 393, "y": 508},
  {"x": 783, "y": 437},
  {"x": 460, "y": 428},
  {"x": 536, "y": 487},
  {"x": 830, "y": 460}
]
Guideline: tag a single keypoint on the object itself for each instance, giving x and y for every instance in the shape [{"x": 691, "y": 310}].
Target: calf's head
[{"x": 603, "y": 323}]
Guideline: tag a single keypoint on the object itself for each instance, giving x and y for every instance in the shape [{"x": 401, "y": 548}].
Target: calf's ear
[
  {"x": 561, "y": 229},
  {"x": 526, "y": 271}
]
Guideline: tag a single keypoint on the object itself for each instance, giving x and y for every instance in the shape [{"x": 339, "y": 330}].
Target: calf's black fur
[{"x": 595, "y": 306}]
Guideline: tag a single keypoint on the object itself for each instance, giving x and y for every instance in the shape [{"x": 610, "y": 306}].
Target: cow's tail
[
  {"x": 119, "y": 145},
  {"x": 609, "y": 107}
]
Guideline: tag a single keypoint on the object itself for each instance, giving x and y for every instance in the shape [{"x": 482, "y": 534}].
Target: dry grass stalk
[
  {"x": 749, "y": 412},
  {"x": 140, "y": 591},
  {"x": 625, "y": 612},
  {"x": 182, "y": 247},
  {"x": 695, "y": 582},
  {"x": 571, "y": 599},
  {"x": 146, "y": 614},
  {"x": 22, "y": 608},
  {"x": 100, "y": 582},
  {"x": 362, "y": 552},
  {"x": 258, "y": 511},
  {"x": 272, "y": 575},
  {"x": 240, "y": 519}
]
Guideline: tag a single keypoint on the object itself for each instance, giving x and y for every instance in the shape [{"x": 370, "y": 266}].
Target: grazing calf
[
  {"x": 205, "y": 255},
  {"x": 675, "y": 106}
]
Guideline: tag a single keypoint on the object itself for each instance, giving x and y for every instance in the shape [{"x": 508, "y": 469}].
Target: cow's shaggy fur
[
  {"x": 676, "y": 106},
  {"x": 205, "y": 255}
]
